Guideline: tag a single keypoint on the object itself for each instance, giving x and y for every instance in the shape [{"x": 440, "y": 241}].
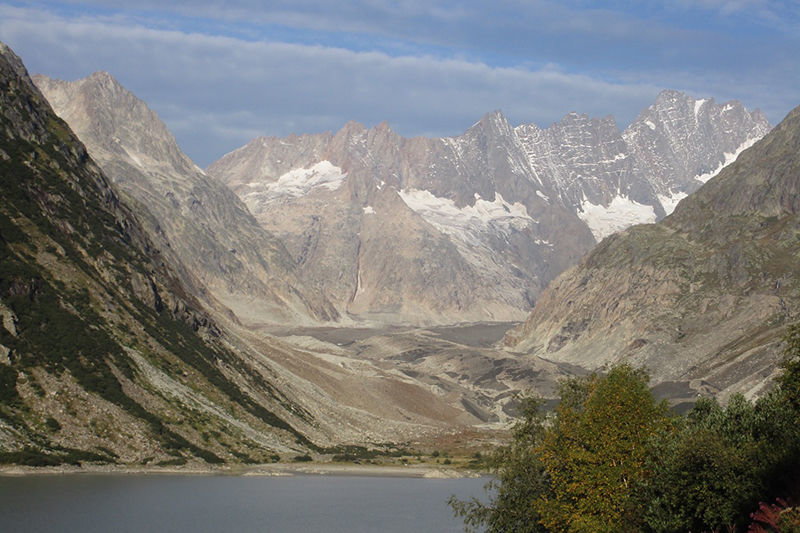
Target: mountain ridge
[
  {"x": 511, "y": 207},
  {"x": 106, "y": 356},
  {"x": 700, "y": 298},
  {"x": 205, "y": 226}
]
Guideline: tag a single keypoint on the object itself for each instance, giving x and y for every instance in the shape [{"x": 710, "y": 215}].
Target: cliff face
[
  {"x": 701, "y": 298},
  {"x": 204, "y": 226},
  {"x": 474, "y": 227}
]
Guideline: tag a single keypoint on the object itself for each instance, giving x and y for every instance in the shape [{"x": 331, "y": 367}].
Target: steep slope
[
  {"x": 470, "y": 227},
  {"x": 103, "y": 353},
  {"x": 701, "y": 298},
  {"x": 680, "y": 143},
  {"x": 207, "y": 228}
]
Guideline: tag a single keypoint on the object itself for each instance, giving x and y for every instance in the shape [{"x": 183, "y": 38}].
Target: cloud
[
  {"x": 230, "y": 89},
  {"x": 218, "y": 88}
]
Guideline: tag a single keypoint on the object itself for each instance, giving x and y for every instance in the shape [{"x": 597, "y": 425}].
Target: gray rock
[
  {"x": 701, "y": 298},
  {"x": 205, "y": 227}
]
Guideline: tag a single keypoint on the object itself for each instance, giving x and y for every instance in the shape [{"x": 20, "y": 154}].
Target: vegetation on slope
[{"x": 82, "y": 288}]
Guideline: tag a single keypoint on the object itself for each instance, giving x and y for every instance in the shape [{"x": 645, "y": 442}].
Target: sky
[{"x": 221, "y": 73}]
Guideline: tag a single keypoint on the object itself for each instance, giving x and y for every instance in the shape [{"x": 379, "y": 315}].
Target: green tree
[
  {"x": 710, "y": 470},
  {"x": 519, "y": 480},
  {"x": 595, "y": 451},
  {"x": 702, "y": 476},
  {"x": 789, "y": 380}
]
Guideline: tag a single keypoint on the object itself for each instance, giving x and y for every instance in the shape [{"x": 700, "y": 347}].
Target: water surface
[{"x": 136, "y": 503}]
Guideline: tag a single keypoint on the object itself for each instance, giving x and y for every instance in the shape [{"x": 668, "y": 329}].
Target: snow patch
[
  {"x": 369, "y": 210},
  {"x": 467, "y": 222},
  {"x": 299, "y": 182},
  {"x": 729, "y": 157},
  {"x": 650, "y": 125},
  {"x": 543, "y": 196},
  {"x": 669, "y": 202},
  {"x": 620, "y": 214},
  {"x": 697, "y": 105}
]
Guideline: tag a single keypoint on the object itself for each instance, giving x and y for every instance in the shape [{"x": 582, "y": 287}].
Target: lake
[{"x": 166, "y": 503}]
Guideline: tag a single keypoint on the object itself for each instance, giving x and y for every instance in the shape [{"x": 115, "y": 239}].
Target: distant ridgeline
[{"x": 473, "y": 227}]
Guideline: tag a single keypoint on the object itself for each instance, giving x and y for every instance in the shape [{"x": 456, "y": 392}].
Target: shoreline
[{"x": 260, "y": 470}]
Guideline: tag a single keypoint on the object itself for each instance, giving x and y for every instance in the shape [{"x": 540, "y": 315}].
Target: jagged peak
[
  {"x": 384, "y": 127},
  {"x": 353, "y": 126},
  {"x": 670, "y": 95},
  {"x": 14, "y": 61},
  {"x": 103, "y": 76},
  {"x": 492, "y": 121},
  {"x": 763, "y": 179},
  {"x": 494, "y": 117}
]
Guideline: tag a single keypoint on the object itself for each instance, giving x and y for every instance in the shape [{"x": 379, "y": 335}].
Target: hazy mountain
[
  {"x": 206, "y": 226},
  {"x": 701, "y": 298},
  {"x": 473, "y": 227}
]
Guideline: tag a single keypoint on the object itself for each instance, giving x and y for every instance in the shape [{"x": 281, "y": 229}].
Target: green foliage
[
  {"x": 612, "y": 459},
  {"x": 520, "y": 480},
  {"x": 178, "y": 461},
  {"x": 709, "y": 470},
  {"x": 34, "y": 457},
  {"x": 594, "y": 452},
  {"x": 302, "y": 458},
  {"x": 789, "y": 381},
  {"x": 8, "y": 386},
  {"x": 701, "y": 475}
]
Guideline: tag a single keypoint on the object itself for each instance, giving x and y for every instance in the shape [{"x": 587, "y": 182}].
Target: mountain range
[
  {"x": 112, "y": 349},
  {"x": 702, "y": 298},
  {"x": 208, "y": 230},
  {"x": 287, "y": 299},
  {"x": 473, "y": 227}
]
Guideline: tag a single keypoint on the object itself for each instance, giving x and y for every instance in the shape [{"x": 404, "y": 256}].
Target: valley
[{"x": 359, "y": 290}]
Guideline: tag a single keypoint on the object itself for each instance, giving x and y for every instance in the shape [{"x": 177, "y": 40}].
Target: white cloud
[{"x": 229, "y": 89}]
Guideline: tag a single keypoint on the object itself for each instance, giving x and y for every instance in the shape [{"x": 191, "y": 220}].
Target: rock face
[
  {"x": 473, "y": 227},
  {"x": 701, "y": 299},
  {"x": 205, "y": 226}
]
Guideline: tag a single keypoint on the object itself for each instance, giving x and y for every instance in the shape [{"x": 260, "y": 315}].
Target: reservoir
[{"x": 170, "y": 503}]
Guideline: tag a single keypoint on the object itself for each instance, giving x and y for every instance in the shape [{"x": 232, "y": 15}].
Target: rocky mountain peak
[
  {"x": 516, "y": 204},
  {"x": 680, "y": 142},
  {"x": 104, "y": 79},
  {"x": 207, "y": 228},
  {"x": 135, "y": 131},
  {"x": 494, "y": 122},
  {"x": 702, "y": 298},
  {"x": 763, "y": 181}
]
